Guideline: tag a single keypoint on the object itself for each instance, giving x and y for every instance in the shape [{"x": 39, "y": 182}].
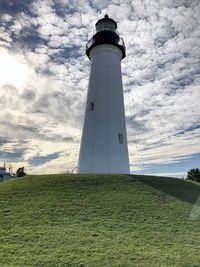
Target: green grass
[{"x": 99, "y": 220}]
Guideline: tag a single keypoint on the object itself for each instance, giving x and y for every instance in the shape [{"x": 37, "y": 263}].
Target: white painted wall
[{"x": 100, "y": 150}]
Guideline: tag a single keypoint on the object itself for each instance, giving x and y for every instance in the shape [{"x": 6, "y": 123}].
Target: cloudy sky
[{"x": 44, "y": 75}]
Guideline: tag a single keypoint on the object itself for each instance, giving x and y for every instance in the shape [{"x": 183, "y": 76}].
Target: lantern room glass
[{"x": 106, "y": 26}]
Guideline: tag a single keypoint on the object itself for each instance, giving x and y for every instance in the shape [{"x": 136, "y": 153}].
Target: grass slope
[{"x": 99, "y": 220}]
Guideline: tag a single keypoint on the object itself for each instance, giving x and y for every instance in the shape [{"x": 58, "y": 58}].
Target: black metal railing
[
  {"x": 106, "y": 37},
  {"x": 93, "y": 41}
]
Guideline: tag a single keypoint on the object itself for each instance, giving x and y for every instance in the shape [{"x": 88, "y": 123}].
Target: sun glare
[{"x": 12, "y": 70}]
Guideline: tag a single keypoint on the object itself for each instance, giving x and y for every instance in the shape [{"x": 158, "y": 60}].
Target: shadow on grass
[{"x": 182, "y": 189}]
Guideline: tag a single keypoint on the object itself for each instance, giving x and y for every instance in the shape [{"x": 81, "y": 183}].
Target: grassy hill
[{"x": 99, "y": 220}]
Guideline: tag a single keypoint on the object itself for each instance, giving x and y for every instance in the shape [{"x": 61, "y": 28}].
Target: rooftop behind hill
[{"x": 99, "y": 220}]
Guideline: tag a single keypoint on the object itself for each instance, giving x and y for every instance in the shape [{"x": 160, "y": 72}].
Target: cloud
[{"x": 35, "y": 161}]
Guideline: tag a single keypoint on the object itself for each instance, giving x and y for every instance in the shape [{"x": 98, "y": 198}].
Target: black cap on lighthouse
[
  {"x": 106, "y": 34},
  {"x": 106, "y": 24}
]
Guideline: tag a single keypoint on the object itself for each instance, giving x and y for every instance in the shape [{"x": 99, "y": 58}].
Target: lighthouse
[{"x": 103, "y": 146}]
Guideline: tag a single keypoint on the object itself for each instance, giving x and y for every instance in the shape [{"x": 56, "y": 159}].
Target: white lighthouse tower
[{"x": 104, "y": 140}]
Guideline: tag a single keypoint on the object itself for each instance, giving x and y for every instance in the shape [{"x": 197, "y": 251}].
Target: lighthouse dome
[{"x": 106, "y": 24}]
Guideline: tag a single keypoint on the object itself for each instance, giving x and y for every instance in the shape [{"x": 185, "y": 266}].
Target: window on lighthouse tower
[
  {"x": 120, "y": 137},
  {"x": 91, "y": 106}
]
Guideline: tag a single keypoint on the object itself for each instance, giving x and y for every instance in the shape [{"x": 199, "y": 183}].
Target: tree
[
  {"x": 20, "y": 172},
  {"x": 194, "y": 175}
]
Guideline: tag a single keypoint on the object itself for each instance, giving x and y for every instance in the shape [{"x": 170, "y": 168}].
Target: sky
[{"x": 44, "y": 77}]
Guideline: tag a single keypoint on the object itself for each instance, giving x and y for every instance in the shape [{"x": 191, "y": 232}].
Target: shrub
[{"x": 194, "y": 175}]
